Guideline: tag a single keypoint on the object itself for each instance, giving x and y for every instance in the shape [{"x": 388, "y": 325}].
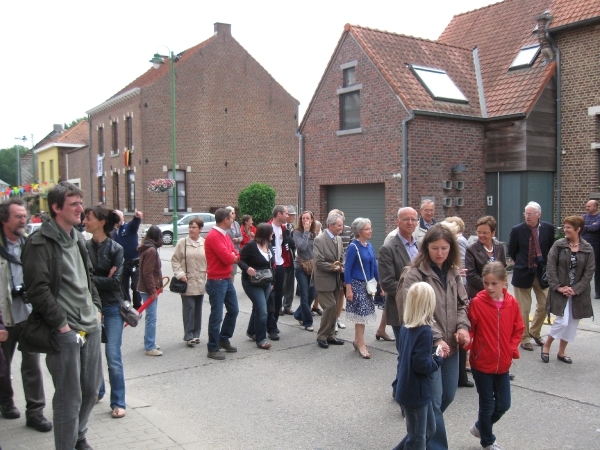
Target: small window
[
  {"x": 101, "y": 141},
  {"x": 349, "y": 76},
  {"x": 130, "y": 191},
  {"x": 526, "y": 57},
  {"x": 115, "y": 178},
  {"x": 102, "y": 190},
  {"x": 350, "y": 110},
  {"x": 51, "y": 170},
  {"x": 115, "y": 136},
  {"x": 438, "y": 84},
  {"x": 180, "y": 186},
  {"x": 43, "y": 170},
  {"x": 128, "y": 133}
]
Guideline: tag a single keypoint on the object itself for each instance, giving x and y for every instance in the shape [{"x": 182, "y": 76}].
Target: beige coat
[{"x": 193, "y": 264}]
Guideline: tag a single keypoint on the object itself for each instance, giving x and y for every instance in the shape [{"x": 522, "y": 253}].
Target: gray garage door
[{"x": 361, "y": 200}]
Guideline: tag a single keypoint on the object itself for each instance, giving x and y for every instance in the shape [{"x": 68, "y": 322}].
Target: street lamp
[
  {"x": 158, "y": 60},
  {"x": 19, "y": 160}
]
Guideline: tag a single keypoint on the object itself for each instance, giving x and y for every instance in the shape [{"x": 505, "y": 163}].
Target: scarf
[{"x": 535, "y": 252}]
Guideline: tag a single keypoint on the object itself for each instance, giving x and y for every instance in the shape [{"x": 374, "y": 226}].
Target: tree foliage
[
  {"x": 8, "y": 163},
  {"x": 73, "y": 123},
  {"x": 258, "y": 200}
]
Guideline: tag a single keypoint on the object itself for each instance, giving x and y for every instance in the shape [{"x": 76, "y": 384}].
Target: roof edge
[
  {"x": 581, "y": 23},
  {"x": 57, "y": 144},
  {"x": 113, "y": 101}
]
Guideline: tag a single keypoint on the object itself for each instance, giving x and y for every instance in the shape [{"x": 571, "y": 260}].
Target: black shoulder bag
[{"x": 178, "y": 286}]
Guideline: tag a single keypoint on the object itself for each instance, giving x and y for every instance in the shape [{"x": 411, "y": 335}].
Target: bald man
[{"x": 591, "y": 233}]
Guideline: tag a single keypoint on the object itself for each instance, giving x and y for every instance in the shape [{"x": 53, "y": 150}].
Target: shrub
[{"x": 258, "y": 200}]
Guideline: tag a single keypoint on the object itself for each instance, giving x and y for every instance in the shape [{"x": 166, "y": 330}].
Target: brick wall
[
  {"x": 580, "y": 82},
  {"x": 78, "y": 167},
  {"x": 373, "y": 156}
]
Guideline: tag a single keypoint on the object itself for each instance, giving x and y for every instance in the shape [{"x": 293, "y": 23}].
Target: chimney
[
  {"x": 543, "y": 21},
  {"x": 223, "y": 29},
  {"x": 58, "y": 128}
]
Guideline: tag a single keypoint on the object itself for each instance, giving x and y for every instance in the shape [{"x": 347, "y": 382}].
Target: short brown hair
[
  {"x": 575, "y": 222},
  {"x": 198, "y": 221},
  {"x": 489, "y": 221},
  {"x": 435, "y": 233}
]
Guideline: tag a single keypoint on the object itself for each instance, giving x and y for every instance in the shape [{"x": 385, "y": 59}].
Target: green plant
[{"x": 258, "y": 200}]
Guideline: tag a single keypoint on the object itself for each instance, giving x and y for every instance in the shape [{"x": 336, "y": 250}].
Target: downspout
[
  {"x": 405, "y": 158},
  {"x": 479, "y": 77},
  {"x": 91, "y": 163},
  {"x": 301, "y": 200},
  {"x": 556, "y": 50}
]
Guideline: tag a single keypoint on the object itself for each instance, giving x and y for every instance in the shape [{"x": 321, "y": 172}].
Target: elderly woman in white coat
[{"x": 189, "y": 265}]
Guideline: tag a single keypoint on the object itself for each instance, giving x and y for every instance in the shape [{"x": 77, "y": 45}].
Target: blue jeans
[
  {"x": 113, "y": 327},
  {"x": 150, "y": 322},
  {"x": 258, "y": 295},
  {"x": 445, "y": 383},
  {"x": 494, "y": 401},
  {"x": 76, "y": 373},
  {"x": 221, "y": 293},
  {"x": 275, "y": 300},
  {"x": 307, "y": 296},
  {"x": 420, "y": 427}
]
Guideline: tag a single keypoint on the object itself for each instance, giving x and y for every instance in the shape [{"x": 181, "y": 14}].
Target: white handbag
[{"x": 372, "y": 283}]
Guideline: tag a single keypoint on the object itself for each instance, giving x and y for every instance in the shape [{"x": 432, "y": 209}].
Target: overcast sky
[{"x": 62, "y": 57}]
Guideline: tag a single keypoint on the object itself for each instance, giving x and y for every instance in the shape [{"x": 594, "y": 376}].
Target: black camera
[{"x": 18, "y": 291}]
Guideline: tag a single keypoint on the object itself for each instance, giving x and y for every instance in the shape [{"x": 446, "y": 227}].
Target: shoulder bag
[
  {"x": 372, "y": 283},
  {"x": 263, "y": 276},
  {"x": 179, "y": 286}
]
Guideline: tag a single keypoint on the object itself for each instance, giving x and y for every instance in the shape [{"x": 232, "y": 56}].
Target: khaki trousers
[
  {"x": 328, "y": 301},
  {"x": 524, "y": 298}
]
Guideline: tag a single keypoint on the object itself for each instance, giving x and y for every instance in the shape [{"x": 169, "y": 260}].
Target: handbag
[
  {"x": 37, "y": 336},
  {"x": 306, "y": 265},
  {"x": 262, "y": 277},
  {"x": 372, "y": 283},
  {"x": 177, "y": 285},
  {"x": 129, "y": 313}
]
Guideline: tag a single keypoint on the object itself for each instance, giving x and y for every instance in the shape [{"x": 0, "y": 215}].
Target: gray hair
[
  {"x": 406, "y": 209},
  {"x": 332, "y": 219},
  {"x": 358, "y": 225},
  {"x": 426, "y": 202},
  {"x": 535, "y": 206}
]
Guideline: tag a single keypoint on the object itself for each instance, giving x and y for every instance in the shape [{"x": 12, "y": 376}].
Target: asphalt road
[{"x": 298, "y": 396}]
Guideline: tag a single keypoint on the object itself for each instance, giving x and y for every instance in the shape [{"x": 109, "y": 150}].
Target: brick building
[{"x": 235, "y": 125}]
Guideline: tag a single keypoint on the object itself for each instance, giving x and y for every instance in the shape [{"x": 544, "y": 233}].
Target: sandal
[
  {"x": 118, "y": 413},
  {"x": 564, "y": 359},
  {"x": 545, "y": 356}
]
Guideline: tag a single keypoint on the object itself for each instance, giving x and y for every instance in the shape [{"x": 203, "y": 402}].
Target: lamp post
[
  {"x": 157, "y": 61},
  {"x": 23, "y": 139}
]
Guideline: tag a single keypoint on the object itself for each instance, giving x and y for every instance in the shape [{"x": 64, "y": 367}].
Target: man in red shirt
[{"x": 220, "y": 256}]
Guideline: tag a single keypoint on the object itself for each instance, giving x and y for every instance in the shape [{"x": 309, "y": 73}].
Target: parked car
[{"x": 183, "y": 226}]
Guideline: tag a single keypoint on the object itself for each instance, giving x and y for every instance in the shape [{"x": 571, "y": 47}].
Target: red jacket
[
  {"x": 220, "y": 254},
  {"x": 495, "y": 333}
]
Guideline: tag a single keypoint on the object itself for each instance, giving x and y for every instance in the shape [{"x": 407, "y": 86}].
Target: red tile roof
[
  {"x": 152, "y": 75},
  {"x": 392, "y": 53},
  {"x": 499, "y": 31},
  {"x": 568, "y": 12},
  {"x": 78, "y": 134}
]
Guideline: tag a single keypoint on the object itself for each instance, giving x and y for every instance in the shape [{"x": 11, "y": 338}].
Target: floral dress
[{"x": 361, "y": 309}]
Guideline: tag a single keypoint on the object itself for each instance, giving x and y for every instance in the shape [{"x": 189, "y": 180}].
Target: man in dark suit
[
  {"x": 328, "y": 250},
  {"x": 528, "y": 246},
  {"x": 398, "y": 250}
]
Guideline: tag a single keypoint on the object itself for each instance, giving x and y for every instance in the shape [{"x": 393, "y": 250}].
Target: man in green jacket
[{"x": 58, "y": 285}]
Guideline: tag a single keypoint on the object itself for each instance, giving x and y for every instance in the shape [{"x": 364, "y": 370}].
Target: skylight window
[
  {"x": 438, "y": 84},
  {"x": 526, "y": 57}
]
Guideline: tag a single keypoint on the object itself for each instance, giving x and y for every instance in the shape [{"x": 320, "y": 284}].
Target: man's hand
[
  {"x": 138, "y": 214},
  {"x": 3, "y": 335}
]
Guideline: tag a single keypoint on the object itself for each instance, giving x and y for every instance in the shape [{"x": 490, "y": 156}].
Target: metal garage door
[{"x": 361, "y": 200}]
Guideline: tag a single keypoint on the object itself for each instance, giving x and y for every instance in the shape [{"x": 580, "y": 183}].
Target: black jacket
[
  {"x": 250, "y": 256},
  {"x": 518, "y": 249},
  {"x": 105, "y": 256}
]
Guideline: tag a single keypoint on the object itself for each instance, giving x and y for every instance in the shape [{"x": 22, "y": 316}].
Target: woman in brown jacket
[
  {"x": 150, "y": 282},
  {"x": 189, "y": 265},
  {"x": 438, "y": 264},
  {"x": 570, "y": 269}
]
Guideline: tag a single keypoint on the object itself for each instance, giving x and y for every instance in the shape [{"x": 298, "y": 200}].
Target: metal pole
[{"x": 173, "y": 148}]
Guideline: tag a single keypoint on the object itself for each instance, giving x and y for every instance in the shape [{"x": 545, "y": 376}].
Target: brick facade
[
  {"x": 580, "y": 69},
  {"x": 76, "y": 161},
  {"x": 235, "y": 125},
  {"x": 375, "y": 155}
]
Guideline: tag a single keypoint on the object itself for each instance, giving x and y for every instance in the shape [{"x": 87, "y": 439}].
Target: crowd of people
[{"x": 443, "y": 300}]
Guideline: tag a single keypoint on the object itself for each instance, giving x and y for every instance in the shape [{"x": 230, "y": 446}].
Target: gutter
[
  {"x": 556, "y": 50},
  {"x": 405, "y": 158},
  {"x": 465, "y": 117},
  {"x": 302, "y": 199}
]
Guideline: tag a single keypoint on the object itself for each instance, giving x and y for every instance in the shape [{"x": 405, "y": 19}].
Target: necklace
[
  {"x": 573, "y": 245},
  {"x": 489, "y": 250}
]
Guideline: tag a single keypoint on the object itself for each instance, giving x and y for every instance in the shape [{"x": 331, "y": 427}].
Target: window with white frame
[{"x": 180, "y": 186}]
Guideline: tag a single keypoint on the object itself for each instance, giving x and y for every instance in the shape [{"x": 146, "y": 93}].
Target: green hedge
[{"x": 258, "y": 200}]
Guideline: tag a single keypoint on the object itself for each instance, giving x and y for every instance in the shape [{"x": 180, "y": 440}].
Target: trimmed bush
[{"x": 258, "y": 200}]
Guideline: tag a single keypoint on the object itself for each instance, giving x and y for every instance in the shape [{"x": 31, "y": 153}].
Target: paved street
[{"x": 298, "y": 396}]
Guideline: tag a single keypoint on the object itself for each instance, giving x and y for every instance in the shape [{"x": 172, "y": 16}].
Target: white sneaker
[
  {"x": 475, "y": 431},
  {"x": 494, "y": 446},
  {"x": 154, "y": 352},
  {"x": 340, "y": 324}
]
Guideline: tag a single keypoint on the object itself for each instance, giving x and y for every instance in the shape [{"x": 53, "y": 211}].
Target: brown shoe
[
  {"x": 527, "y": 346},
  {"x": 538, "y": 340}
]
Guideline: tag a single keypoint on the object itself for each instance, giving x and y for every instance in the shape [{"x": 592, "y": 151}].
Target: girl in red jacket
[{"x": 496, "y": 329}]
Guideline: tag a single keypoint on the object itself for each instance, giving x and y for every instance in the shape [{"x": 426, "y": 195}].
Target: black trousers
[
  {"x": 131, "y": 276},
  {"x": 275, "y": 300},
  {"x": 31, "y": 373}
]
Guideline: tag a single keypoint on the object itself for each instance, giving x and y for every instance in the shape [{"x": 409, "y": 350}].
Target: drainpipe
[
  {"x": 90, "y": 160},
  {"x": 301, "y": 170},
  {"x": 556, "y": 50},
  {"x": 405, "y": 158},
  {"x": 479, "y": 77}
]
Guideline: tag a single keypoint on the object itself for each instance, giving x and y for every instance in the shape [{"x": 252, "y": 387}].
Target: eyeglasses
[
  {"x": 409, "y": 219},
  {"x": 530, "y": 214}
]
